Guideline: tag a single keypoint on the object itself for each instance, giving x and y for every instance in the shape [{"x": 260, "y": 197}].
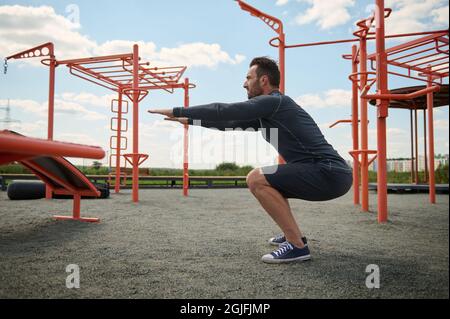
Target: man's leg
[{"x": 275, "y": 205}]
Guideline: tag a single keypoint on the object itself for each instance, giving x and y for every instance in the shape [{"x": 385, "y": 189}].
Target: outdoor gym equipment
[
  {"x": 126, "y": 75},
  {"x": 45, "y": 159}
]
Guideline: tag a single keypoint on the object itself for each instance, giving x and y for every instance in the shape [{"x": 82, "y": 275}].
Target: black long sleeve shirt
[{"x": 299, "y": 137}]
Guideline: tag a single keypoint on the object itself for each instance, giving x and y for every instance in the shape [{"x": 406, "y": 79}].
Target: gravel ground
[{"x": 209, "y": 245}]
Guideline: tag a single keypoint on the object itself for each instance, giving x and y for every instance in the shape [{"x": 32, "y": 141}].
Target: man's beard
[{"x": 257, "y": 91}]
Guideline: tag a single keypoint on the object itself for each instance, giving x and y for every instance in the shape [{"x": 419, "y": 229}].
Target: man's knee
[{"x": 255, "y": 179}]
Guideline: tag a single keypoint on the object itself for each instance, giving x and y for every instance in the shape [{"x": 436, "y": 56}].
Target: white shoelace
[{"x": 283, "y": 249}]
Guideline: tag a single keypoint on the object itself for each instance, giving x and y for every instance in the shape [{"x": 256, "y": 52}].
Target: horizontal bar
[
  {"x": 369, "y": 38},
  {"x": 419, "y": 52},
  {"x": 431, "y": 61},
  {"x": 106, "y": 58},
  {"x": 402, "y": 96},
  {"x": 412, "y": 44}
]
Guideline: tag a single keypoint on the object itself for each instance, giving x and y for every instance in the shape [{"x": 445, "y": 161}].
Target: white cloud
[
  {"x": 331, "y": 98},
  {"x": 416, "y": 15},
  {"x": 326, "y": 14},
  {"x": 32, "y": 129},
  {"x": 84, "y": 98},
  {"x": 24, "y": 27},
  {"x": 441, "y": 124},
  {"x": 440, "y": 16},
  {"x": 281, "y": 2},
  {"x": 67, "y": 104},
  {"x": 78, "y": 138}
]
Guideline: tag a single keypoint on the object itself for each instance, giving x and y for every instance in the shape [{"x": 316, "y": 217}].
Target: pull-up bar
[{"x": 123, "y": 74}]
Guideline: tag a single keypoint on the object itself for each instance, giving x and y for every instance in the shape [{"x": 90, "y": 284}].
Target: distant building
[{"x": 404, "y": 165}]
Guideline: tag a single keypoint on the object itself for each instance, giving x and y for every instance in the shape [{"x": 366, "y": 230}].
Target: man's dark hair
[{"x": 267, "y": 66}]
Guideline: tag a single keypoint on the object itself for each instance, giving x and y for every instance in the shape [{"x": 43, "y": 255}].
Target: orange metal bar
[
  {"x": 356, "y": 40},
  {"x": 51, "y": 106},
  {"x": 71, "y": 71},
  {"x": 16, "y": 144},
  {"x": 97, "y": 59},
  {"x": 425, "y": 146},
  {"x": 339, "y": 121},
  {"x": 418, "y": 52},
  {"x": 276, "y": 25},
  {"x": 76, "y": 212},
  {"x": 412, "y": 44},
  {"x": 186, "y": 143},
  {"x": 432, "y": 181},
  {"x": 411, "y": 127},
  {"x": 416, "y": 145},
  {"x": 355, "y": 127},
  {"x": 135, "y": 122},
  {"x": 382, "y": 111},
  {"x": 364, "y": 128},
  {"x": 409, "y": 96}
]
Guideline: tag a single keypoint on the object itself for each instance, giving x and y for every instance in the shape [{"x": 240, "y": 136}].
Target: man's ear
[{"x": 264, "y": 80}]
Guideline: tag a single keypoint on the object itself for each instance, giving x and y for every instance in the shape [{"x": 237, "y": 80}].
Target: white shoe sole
[{"x": 283, "y": 261}]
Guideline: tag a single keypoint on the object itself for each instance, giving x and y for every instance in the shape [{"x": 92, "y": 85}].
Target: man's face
[{"x": 252, "y": 83}]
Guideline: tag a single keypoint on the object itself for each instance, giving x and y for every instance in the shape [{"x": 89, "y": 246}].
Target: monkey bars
[{"x": 126, "y": 75}]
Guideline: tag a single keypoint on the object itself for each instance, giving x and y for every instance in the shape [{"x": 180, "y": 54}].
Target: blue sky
[{"x": 216, "y": 40}]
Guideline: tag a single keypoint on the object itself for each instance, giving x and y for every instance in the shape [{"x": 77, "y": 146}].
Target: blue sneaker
[
  {"x": 287, "y": 253},
  {"x": 279, "y": 239}
]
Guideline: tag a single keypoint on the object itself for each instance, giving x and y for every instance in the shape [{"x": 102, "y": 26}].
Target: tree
[
  {"x": 96, "y": 165},
  {"x": 227, "y": 167}
]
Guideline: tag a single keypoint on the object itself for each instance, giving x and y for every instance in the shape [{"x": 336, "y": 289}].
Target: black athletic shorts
[{"x": 315, "y": 181}]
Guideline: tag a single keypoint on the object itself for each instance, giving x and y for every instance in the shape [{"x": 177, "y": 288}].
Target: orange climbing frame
[
  {"x": 427, "y": 56},
  {"x": 124, "y": 74}
]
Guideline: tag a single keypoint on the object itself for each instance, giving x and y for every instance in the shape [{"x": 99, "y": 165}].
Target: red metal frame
[
  {"x": 426, "y": 55},
  {"x": 276, "y": 25},
  {"x": 126, "y": 75},
  {"x": 25, "y": 150}
]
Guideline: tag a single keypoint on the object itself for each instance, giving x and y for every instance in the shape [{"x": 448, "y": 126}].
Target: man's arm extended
[{"x": 255, "y": 108}]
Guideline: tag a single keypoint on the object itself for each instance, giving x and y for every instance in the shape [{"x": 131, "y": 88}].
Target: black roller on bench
[{"x": 27, "y": 190}]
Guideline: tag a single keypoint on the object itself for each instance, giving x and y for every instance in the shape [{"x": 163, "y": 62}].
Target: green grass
[{"x": 441, "y": 173}]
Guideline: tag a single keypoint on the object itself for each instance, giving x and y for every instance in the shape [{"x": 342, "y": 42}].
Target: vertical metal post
[
  {"x": 76, "y": 206},
  {"x": 430, "y": 104},
  {"x": 382, "y": 110},
  {"x": 51, "y": 107},
  {"x": 412, "y": 144},
  {"x": 282, "y": 61},
  {"x": 135, "y": 123},
  {"x": 364, "y": 129},
  {"x": 425, "y": 146},
  {"x": 416, "y": 151},
  {"x": 355, "y": 127},
  {"x": 186, "y": 143}
]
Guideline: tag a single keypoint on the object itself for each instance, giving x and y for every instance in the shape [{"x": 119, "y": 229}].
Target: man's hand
[
  {"x": 165, "y": 112},
  {"x": 182, "y": 120}
]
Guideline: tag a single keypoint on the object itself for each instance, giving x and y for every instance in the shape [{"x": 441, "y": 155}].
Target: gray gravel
[{"x": 209, "y": 245}]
